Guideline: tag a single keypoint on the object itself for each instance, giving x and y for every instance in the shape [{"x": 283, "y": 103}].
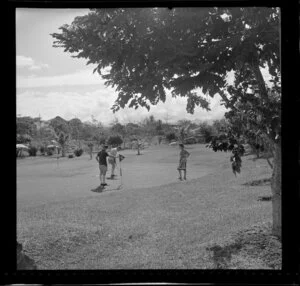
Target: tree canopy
[
  {"x": 144, "y": 51},
  {"x": 114, "y": 140},
  {"x": 25, "y": 126},
  {"x": 60, "y": 125}
]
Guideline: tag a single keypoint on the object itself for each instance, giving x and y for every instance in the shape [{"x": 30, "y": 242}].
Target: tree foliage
[
  {"x": 115, "y": 140},
  {"x": 23, "y": 139},
  {"x": 62, "y": 139},
  {"x": 25, "y": 126},
  {"x": 118, "y": 129},
  {"x": 76, "y": 128},
  {"x": 207, "y": 131},
  {"x": 171, "y": 136},
  {"x": 147, "y": 50},
  {"x": 60, "y": 125},
  {"x": 220, "y": 125}
]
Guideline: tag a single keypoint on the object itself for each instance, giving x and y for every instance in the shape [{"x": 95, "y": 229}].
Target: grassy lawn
[{"x": 153, "y": 222}]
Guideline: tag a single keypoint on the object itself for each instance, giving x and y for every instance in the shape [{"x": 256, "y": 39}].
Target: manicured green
[{"x": 153, "y": 222}]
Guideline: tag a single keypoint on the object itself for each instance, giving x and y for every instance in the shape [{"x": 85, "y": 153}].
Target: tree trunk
[
  {"x": 257, "y": 153},
  {"x": 276, "y": 191},
  {"x": 259, "y": 77},
  {"x": 276, "y": 176},
  {"x": 63, "y": 152}
]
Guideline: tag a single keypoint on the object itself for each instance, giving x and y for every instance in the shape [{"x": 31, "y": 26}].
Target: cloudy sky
[{"x": 50, "y": 82}]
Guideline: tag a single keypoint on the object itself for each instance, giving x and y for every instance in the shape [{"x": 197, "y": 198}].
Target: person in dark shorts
[
  {"x": 101, "y": 159},
  {"x": 182, "y": 162}
]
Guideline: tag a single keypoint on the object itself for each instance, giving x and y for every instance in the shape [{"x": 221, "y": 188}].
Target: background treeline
[{"x": 71, "y": 135}]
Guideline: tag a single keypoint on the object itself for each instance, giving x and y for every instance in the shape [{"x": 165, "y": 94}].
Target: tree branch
[
  {"x": 258, "y": 75},
  {"x": 227, "y": 101},
  {"x": 269, "y": 162}
]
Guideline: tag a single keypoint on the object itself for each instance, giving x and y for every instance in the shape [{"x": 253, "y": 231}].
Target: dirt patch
[
  {"x": 222, "y": 255},
  {"x": 24, "y": 262},
  {"x": 48, "y": 248},
  {"x": 252, "y": 248}
]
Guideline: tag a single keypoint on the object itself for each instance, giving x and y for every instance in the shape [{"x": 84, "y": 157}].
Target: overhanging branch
[{"x": 227, "y": 101}]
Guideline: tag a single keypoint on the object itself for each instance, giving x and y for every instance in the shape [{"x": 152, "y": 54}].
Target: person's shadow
[{"x": 99, "y": 189}]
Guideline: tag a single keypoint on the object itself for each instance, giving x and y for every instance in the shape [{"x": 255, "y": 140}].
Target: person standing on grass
[
  {"x": 101, "y": 159},
  {"x": 182, "y": 162},
  {"x": 90, "y": 145},
  {"x": 113, "y": 160}
]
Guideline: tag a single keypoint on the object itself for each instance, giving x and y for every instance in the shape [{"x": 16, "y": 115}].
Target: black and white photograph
[{"x": 148, "y": 138}]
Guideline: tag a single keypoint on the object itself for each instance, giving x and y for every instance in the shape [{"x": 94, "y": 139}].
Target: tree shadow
[
  {"x": 222, "y": 255},
  {"x": 260, "y": 182}
]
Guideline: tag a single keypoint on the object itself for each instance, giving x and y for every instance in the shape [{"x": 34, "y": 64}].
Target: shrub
[
  {"x": 99, "y": 140},
  {"x": 23, "y": 139},
  {"x": 71, "y": 156},
  {"x": 32, "y": 151},
  {"x": 78, "y": 152},
  {"x": 42, "y": 150},
  {"x": 207, "y": 131},
  {"x": 114, "y": 140},
  {"x": 90, "y": 145},
  {"x": 171, "y": 136}
]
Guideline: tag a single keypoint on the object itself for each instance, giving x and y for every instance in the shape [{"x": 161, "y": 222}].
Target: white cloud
[
  {"x": 265, "y": 73},
  {"x": 24, "y": 61},
  {"x": 99, "y": 102},
  {"x": 27, "y": 62},
  {"x": 77, "y": 96},
  {"x": 82, "y": 77},
  {"x": 38, "y": 67}
]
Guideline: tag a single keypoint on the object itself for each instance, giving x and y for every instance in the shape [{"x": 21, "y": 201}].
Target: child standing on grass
[
  {"x": 101, "y": 159},
  {"x": 182, "y": 162},
  {"x": 113, "y": 160}
]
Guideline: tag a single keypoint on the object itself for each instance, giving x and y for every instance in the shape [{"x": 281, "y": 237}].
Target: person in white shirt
[{"x": 113, "y": 160}]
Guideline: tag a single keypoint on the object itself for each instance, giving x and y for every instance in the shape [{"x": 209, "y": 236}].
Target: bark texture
[{"x": 276, "y": 191}]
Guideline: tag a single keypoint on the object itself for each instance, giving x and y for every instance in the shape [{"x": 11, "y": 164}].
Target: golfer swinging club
[{"x": 101, "y": 159}]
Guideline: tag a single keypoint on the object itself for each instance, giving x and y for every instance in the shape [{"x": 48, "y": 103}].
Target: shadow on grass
[
  {"x": 100, "y": 189},
  {"x": 261, "y": 182},
  {"x": 221, "y": 256}
]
